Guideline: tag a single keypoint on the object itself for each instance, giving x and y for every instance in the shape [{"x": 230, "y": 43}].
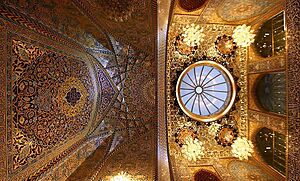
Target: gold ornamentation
[
  {"x": 67, "y": 108},
  {"x": 193, "y": 35},
  {"x": 238, "y": 64}
]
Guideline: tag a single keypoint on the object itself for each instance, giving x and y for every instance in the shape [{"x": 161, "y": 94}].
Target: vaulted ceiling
[{"x": 88, "y": 70}]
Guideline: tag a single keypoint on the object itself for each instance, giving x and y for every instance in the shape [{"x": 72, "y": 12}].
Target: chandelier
[
  {"x": 243, "y": 35},
  {"x": 193, "y": 149},
  {"x": 242, "y": 148},
  {"x": 193, "y": 35},
  {"x": 122, "y": 176}
]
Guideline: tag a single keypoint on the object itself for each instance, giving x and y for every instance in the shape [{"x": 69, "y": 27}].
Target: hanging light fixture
[
  {"x": 193, "y": 149},
  {"x": 193, "y": 35},
  {"x": 122, "y": 176},
  {"x": 243, "y": 35},
  {"x": 242, "y": 148}
]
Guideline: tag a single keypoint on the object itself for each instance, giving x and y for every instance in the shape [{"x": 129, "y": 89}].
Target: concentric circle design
[{"x": 205, "y": 91}]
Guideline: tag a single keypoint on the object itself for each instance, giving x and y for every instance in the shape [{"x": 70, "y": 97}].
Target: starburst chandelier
[
  {"x": 122, "y": 176},
  {"x": 192, "y": 149},
  {"x": 243, "y": 35},
  {"x": 193, "y": 35},
  {"x": 242, "y": 148}
]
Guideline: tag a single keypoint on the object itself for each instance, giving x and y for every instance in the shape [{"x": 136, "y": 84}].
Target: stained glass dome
[{"x": 205, "y": 91}]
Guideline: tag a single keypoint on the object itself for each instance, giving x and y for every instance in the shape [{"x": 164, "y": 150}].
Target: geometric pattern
[{"x": 42, "y": 116}]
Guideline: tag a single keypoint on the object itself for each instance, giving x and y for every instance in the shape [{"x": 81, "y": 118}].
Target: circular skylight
[{"x": 205, "y": 91}]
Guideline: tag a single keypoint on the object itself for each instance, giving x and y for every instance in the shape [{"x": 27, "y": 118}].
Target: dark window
[
  {"x": 270, "y": 38},
  {"x": 270, "y": 92},
  {"x": 272, "y": 148}
]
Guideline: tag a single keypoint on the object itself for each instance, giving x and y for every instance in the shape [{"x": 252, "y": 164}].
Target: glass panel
[
  {"x": 272, "y": 148},
  {"x": 270, "y": 38}
]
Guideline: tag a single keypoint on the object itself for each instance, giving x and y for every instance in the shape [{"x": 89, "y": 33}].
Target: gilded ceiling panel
[
  {"x": 52, "y": 101},
  {"x": 65, "y": 17},
  {"x": 229, "y": 12},
  {"x": 202, "y": 131},
  {"x": 131, "y": 22},
  {"x": 136, "y": 158},
  {"x": 236, "y": 10},
  {"x": 247, "y": 171},
  {"x": 140, "y": 91}
]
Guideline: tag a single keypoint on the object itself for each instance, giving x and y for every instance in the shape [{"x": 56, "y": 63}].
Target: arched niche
[
  {"x": 270, "y": 92},
  {"x": 191, "y": 5},
  {"x": 206, "y": 175}
]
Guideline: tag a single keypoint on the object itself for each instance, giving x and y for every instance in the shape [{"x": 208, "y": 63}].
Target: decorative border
[
  {"x": 267, "y": 65},
  {"x": 293, "y": 88},
  {"x": 3, "y": 126},
  {"x": 16, "y": 16}
]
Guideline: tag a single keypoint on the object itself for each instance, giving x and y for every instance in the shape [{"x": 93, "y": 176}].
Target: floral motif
[
  {"x": 42, "y": 116},
  {"x": 242, "y": 148}
]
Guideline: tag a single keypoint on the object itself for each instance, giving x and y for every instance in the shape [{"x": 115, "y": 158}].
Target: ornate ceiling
[
  {"x": 225, "y": 11},
  {"x": 131, "y": 22},
  {"x": 65, "y": 102},
  {"x": 80, "y": 85}
]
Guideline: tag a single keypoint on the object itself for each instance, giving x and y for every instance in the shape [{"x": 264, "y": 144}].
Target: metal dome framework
[{"x": 205, "y": 91}]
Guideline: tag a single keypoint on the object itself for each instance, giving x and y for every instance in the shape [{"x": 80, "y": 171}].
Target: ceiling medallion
[
  {"x": 182, "y": 134},
  {"x": 205, "y": 91},
  {"x": 225, "y": 46},
  {"x": 192, "y": 149},
  {"x": 226, "y": 135}
]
